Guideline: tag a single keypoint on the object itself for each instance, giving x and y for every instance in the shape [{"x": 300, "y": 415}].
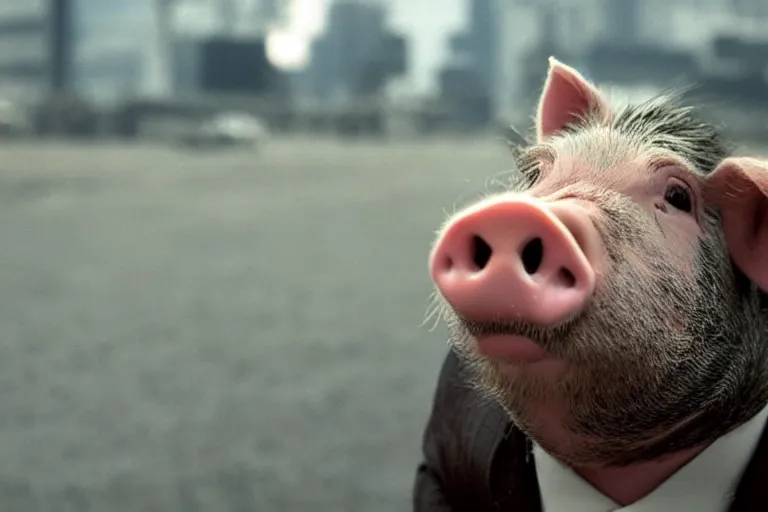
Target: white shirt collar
[{"x": 720, "y": 466}]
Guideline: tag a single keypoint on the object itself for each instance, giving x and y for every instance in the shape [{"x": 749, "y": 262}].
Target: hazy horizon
[{"x": 427, "y": 29}]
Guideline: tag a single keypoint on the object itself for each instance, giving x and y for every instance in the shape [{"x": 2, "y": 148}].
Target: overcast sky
[{"x": 428, "y": 23}]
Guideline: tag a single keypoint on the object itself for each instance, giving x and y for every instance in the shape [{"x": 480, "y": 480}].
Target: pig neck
[
  {"x": 626, "y": 485},
  {"x": 623, "y": 484}
]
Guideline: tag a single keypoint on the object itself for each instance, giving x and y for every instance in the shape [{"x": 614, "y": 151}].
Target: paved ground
[{"x": 220, "y": 331}]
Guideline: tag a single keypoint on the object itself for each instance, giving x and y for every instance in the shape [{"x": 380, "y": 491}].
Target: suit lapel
[
  {"x": 752, "y": 492},
  {"x": 514, "y": 484}
]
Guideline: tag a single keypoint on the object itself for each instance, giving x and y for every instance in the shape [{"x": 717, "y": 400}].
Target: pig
[{"x": 611, "y": 305}]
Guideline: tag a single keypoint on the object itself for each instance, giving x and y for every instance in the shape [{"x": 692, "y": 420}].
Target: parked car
[
  {"x": 229, "y": 129},
  {"x": 14, "y": 121}
]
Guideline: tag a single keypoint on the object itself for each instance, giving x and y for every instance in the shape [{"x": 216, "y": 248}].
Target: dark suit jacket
[{"x": 475, "y": 460}]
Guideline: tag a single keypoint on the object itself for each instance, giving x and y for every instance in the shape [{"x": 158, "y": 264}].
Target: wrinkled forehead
[{"x": 603, "y": 157}]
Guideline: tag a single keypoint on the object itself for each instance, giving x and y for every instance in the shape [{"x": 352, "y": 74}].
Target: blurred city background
[
  {"x": 215, "y": 217},
  {"x": 161, "y": 68}
]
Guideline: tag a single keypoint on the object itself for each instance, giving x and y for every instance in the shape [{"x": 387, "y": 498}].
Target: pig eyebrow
[{"x": 666, "y": 161}]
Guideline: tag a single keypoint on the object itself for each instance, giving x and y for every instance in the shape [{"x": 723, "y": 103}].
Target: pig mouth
[{"x": 548, "y": 338}]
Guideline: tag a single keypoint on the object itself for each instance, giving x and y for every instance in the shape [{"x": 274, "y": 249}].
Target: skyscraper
[
  {"x": 61, "y": 38},
  {"x": 484, "y": 40},
  {"x": 36, "y": 47},
  {"x": 112, "y": 60},
  {"x": 357, "y": 53}
]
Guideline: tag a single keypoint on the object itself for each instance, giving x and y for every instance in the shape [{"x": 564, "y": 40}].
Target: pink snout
[{"x": 517, "y": 258}]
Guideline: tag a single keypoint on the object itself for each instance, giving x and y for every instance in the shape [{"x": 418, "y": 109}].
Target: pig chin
[{"x": 581, "y": 399}]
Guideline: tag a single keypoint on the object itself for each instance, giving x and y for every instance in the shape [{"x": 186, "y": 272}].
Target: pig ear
[
  {"x": 566, "y": 96},
  {"x": 740, "y": 187}
]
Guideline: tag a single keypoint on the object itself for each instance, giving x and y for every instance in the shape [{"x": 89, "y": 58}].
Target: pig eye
[{"x": 679, "y": 197}]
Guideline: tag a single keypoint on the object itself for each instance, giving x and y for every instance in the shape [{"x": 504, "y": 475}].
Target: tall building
[
  {"x": 357, "y": 54},
  {"x": 484, "y": 40},
  {"x": 36, "y": 48},
  {"x": 61, "y": 38},
  {"x": 532, "y": 31},
  {"x": 469, "y": 79},
  {"x": 114, "y": 40}
]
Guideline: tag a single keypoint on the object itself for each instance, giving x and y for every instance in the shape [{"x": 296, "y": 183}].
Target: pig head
[{"x": 614, "y": 300}]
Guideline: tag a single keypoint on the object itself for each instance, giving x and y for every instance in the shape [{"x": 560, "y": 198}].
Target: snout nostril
[
  {"x": 567, "y": 279},
  {"x": 481, "y": 252},
  {"x": 533, "y": 255}
]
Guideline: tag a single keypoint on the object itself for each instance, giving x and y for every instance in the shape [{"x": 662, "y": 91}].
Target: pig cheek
[
  {"x": 683, "y": 257},
  {"x": 681, "y": 242},
  {"x": 676, "y": 323}
]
